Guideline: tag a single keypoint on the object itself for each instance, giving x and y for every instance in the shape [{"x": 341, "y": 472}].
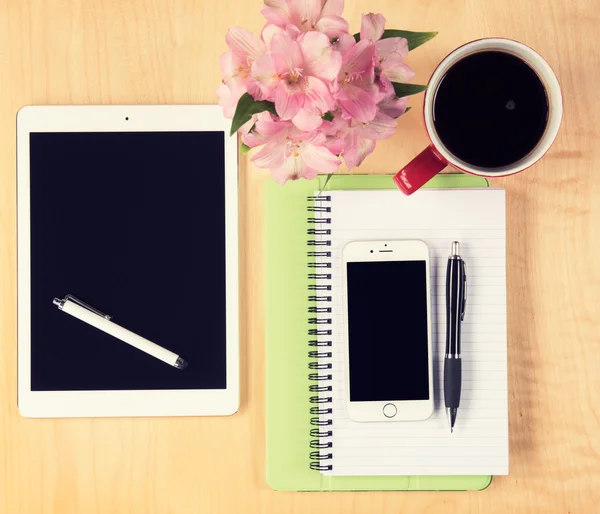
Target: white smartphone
[{"x": 387, "y": 331}]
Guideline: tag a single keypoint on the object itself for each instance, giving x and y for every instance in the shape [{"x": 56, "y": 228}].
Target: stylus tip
[{"x": 181, "y": 363}]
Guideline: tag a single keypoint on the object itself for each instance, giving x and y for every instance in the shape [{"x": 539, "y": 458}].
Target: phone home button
[{"x": 389, "y": 410}]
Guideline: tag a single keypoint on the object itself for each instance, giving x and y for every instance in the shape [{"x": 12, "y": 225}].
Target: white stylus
[{"x": 101, "y": 321}]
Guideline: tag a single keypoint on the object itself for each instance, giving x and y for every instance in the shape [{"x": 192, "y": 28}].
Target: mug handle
[{"x": 420, "y": 170}]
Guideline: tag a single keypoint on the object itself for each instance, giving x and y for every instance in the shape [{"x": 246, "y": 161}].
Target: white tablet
[{"x": 133, "y": 210}]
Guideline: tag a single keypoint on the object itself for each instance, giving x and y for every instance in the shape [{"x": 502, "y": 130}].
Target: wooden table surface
[{"x": 166, "y": 52}]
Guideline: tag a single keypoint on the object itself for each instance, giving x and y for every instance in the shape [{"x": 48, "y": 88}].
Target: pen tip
[
  {"x": 451, "y": 430},
  {"x": 181, "y": 363}
]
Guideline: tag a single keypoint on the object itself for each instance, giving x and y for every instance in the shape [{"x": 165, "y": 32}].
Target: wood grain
[{"x": 161, "y": 51}]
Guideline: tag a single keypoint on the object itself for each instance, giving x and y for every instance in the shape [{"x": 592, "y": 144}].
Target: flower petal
[
  {"x": 332, "y": 8},
  {"x": 331, "y": 128},
  {"x": 344, "y": 43},
  {"x": 309, "y": 173},
  {"x": 271, "y": 155},
  {"x": 318, "y": 97},
  {"x": 279, "y": 175},
  {"x": 399, "y": 73},
  {"x": 265, "y": 76},
  {"x": 252, "y": 139},
  {"x": 391, "y": 53},
  {"x": 287, "y": 55},
  {"x": 306, "y": 121},
  {"x": 277, "y": 12},
  {"x": 288, "y": 101},
  {"x": 392, "y": 106},
  {"x": 319, "y": 158},
  {"x": 382, "y": 127},
  {"x": 269, "y": 127},
  {"x": 268, "y": 31},
  {"x": 245, "y": 128},
  {"x": 244, "y": 44},
  {"x": 260, "y": 121},
  {"x": 233, "y": 68},
  {"x": 333, "y": 26},
  {"x": 372, "y": 26},
  {"x": 227, "y": 65},
  {"x": 229, "y": 94},
  {"x": 224, "y": 96},
  {"x": 305, "y": 13},
  {"x": 358, "y": 60},
  {"x": 356, "y": 152},
  {"x": 314, "y": 138},
  {"x": 292, "y": 169},
  {"x": 335, "y": 145},
  {"x": 256, "y": 91},
  {"x": 385, "y": 88},
  {"x": 319, "y": 58},
  {"x": 395, "y": 48},
  {"x": 357, "y": 103}
]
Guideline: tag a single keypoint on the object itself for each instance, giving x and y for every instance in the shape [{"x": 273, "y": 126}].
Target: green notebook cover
[{"x": 287, "y": 385}]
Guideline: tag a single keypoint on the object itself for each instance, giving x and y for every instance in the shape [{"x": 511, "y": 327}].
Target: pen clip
[
  {"x": 464, "y": 305},
  {"x": 60, "y": 303}
]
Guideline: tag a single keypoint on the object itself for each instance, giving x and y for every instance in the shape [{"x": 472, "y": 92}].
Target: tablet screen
[{"x": 134, "y": 225}]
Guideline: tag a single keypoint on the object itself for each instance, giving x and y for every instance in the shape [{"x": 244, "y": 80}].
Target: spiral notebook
[
  {"x": 479, "y": 444},
  {"x": 310, "y": 444}
]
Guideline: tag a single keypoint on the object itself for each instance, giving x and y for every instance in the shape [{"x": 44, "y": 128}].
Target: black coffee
[{"x": 490, "y": 109}]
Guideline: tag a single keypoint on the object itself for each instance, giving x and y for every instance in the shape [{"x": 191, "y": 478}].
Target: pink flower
[
  {"x": 360, "y": 139},
  {"x": 291, "y": 153},
  {"x": 352, "y": 140},
  {"x": 229, "y": 96},
  {"x": 391, "y": 52},
  {"x": 343, "y": 43},
  {"x": 372, "y": 26},
  {"x": 255, "y": 132},
  {"x": 320, "y": 15},
  {"x": 245, "y": 48},
  {"x": 270, "y": 30},
  {"x": 392, "y": 106},
  {"x": 244, "y": 44},
  {"x": 296, "y": 74},
  {"x": 357, "y": 148},
  {"x": 325, "y": 96},
  {"x": 356, "y": 91},
  {"x": 335, "y": 132}
]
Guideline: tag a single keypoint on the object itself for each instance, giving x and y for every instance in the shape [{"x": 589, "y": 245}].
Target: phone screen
[{"x": 387, "y": 331}]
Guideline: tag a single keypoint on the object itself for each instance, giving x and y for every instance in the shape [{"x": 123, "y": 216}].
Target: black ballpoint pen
[{"x": 456, "y": 300}]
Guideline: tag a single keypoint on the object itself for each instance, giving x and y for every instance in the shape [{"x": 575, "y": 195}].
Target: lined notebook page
[{"x": 479, "y": 444}]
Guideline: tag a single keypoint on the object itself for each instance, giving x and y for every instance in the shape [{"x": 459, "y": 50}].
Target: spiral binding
[{"x": 318, "y": 322}]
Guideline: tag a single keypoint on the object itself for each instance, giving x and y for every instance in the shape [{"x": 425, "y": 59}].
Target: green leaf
[
  {"x": 402, "y": 90},
  {"x": 328, "y": 116},
  {"x": 244, "y": 149},
  {"x": 326, "y": 182},
  {"x": 407, "y": 109},
  {"x": 415, "y": 39},
  {"x": 246, "y": 107}
]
